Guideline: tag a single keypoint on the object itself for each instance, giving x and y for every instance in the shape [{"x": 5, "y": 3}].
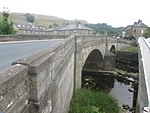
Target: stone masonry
[{"x": 44, "y": 82}]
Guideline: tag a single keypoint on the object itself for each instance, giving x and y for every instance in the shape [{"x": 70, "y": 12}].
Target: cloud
[{"x": 114, "y": 12}]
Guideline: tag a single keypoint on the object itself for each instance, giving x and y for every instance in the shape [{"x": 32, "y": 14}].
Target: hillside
[{"x": 41, "y": 19}]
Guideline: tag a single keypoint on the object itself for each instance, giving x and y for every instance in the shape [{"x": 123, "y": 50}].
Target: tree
[
  {"x": 131, "y": 37},
  {"x": 101, "y": 28},
  {"x": 5, "y": 16},
  {"x": 30, "y": 18},
  {"x": 147, "y": 34},
  {"x": 55, "y": 25},
  {"x": 5, "y": 26}
]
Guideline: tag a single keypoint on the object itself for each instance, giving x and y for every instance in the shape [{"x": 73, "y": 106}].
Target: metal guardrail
[{"x": 145, "y": 52}]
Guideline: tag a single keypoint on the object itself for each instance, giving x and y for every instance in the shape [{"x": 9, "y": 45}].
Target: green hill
[{"x": 41, "y": 19}]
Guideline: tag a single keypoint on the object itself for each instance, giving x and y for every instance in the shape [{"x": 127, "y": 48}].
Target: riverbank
[{"x": 88, "y": 101}]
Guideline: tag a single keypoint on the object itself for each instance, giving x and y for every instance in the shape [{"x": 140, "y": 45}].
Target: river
[{"x": 124, "y": 91}]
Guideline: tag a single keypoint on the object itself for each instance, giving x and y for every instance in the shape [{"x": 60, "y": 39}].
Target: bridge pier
[{"x": 109, "y": 61}]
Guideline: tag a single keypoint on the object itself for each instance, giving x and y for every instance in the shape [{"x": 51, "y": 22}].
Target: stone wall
[
  {"x": 30, "y": 37},
  {"x": 130, "y": 58},
  {"x": 41, "y": 83},
  {"x": 51, "y": 78},
  {"x": 14, "y": 89}
]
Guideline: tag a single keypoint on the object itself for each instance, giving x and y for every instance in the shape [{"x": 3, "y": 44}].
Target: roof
[
  {"x": 127, "y": 28},
  {"x": 30, "y": 26},
  {"x": 140, "y": 24},
  {"x": 76, "y": 27},
  {"x": 136, "y": 24},
  {"x": 54, "y": 28}
]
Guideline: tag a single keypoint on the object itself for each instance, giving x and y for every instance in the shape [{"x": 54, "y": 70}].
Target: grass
[
  {"x": 87, "y": 101},
  {"x": 131, "y": 49}
]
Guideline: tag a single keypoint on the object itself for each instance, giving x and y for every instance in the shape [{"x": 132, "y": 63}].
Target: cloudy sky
[{"x": 113, "y": 12}]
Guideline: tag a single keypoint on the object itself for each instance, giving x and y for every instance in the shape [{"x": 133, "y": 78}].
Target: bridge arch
[
  {"x": 113, "y": 49},
  {"x": 94, "y": 60}
]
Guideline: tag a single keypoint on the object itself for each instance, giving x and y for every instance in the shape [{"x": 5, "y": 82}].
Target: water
[
  {"x": 121, "y": 89},
  {"x": 121, "y": 94}
]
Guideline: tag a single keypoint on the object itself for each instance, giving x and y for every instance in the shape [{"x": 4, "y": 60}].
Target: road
[{"x": 11, "y": 51}]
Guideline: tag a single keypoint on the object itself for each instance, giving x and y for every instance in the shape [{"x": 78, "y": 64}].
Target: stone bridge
[{"x": 44, "y": 82}]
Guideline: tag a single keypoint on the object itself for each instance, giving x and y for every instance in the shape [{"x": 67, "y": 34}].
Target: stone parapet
[
  {"x": 6, "y": 38},
  {"x": 14, "y": 89},
  {"x": 51, "y": 75}
]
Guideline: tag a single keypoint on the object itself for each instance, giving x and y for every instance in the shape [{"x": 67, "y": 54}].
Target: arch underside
[
  {"x": 94, "y": 60},
  {"x": 113, "y": 49}
]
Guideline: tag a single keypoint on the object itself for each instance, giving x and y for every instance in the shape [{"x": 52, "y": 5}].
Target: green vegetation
[
  {"x": 131, "y": 49},
  {"x": 147, "y": 34},
  {"x": 6, "y": 27},
  {"x": 30, "y": 18},
  {"x": 87, "y": 101},
  {"x": 101, "y": 29},
  {"x": 40, "y": 19},
  {"x": 131, "y": 37}
]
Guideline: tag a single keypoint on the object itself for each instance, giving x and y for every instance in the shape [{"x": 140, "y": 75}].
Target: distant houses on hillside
[
  {"x": 29, "y": 28},
  {"x": 136, "y": 30},
  {"x": 72, "y": 29},
  {"x": 65, "y": 30}
]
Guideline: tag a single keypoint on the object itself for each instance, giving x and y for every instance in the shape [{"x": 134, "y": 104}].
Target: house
[
  {"x": 72, "y": 29},
  {"x": 29, "y": 28},
  {"x": 56, "y": 30},
  {"x": 136, "y": 30}
]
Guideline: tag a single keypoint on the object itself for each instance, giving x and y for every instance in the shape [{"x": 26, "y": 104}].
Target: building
[
  {"x": 29, "y": 28},
  {"x": 136, "y": 30},
  {"x": 72, "y": 29},
  {"x": 56, "y": 30}
]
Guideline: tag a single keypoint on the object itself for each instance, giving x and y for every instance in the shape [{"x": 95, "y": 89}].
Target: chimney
[{"x": 139, "y": 21}]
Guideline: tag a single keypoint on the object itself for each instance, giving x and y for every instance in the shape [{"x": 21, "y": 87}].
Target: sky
[{"x": 113, "y": 12}]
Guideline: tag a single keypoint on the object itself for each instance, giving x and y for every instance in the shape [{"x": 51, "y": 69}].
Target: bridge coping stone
[
  {"x": 4, "y": 38},
  {"x": 11, "y": 76}
]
